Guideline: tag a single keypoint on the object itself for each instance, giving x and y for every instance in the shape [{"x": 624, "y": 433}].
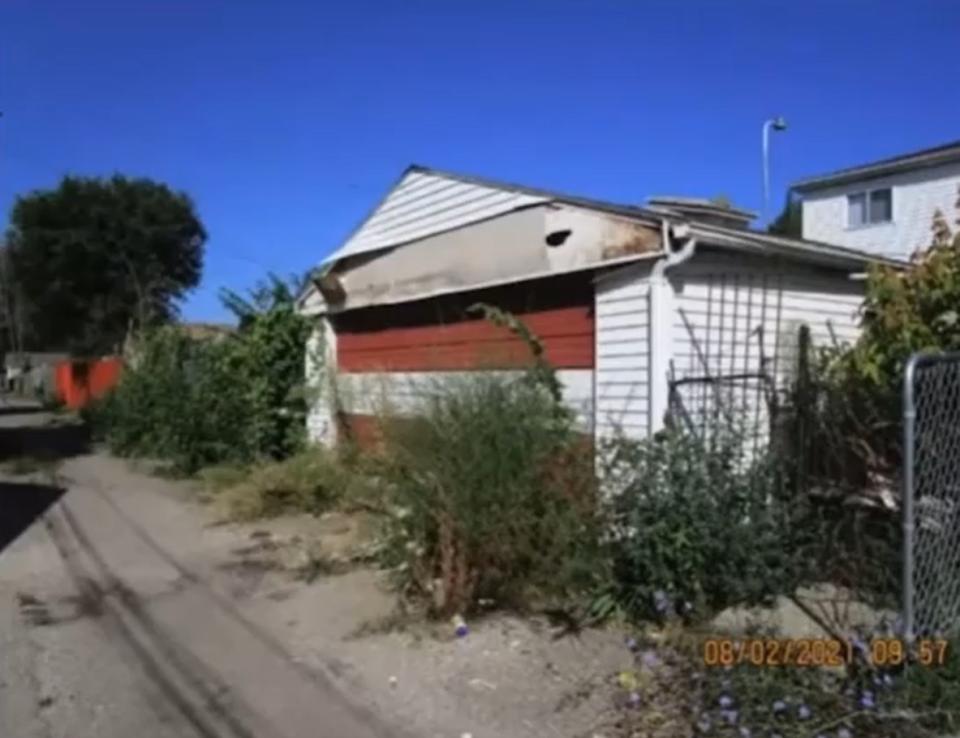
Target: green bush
[
  {"x": 841, "y": 445},
  {"x": 492, "y": 497},
  {"x": 179, "y": 402},
  {"x": 698, "y": 526},
  {"x": 198, "y": 402}
]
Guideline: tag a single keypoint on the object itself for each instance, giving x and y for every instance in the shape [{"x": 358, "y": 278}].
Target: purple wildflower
[
  {"x": 844, "y": 733},
  {"x": 779, "y": 706},
  {"x": 887, "y": 680},
  {"x": 730, "y": 716},
  {"x": 867, "y": 700},
  {"x": 661, "y": 603},
  {"x": 861, "y": 646},
  {"x": 725, "y": 701},
  {"x": 744, "y": 732},
  {"x": 632, "y": 643},
  {"x": 804, "y": 712},
  {"x": 650, "y": 659},
  {"x": 634, "y": 699}
]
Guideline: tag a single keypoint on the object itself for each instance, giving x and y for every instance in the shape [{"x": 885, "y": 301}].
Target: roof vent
[{"x": 717, "y": 211}]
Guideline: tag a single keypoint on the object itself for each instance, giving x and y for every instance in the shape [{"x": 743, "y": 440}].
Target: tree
[
  {"x": 790, "y": 220},
  {"x": 905, "y": 310},
  {"x": 913, "y": 309},
  {"x": 274, "y": 339},
  {"x": 95, "y": 258}
]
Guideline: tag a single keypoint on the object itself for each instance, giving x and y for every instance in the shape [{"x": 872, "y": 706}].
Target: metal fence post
[{"x": 909, "y": 436}]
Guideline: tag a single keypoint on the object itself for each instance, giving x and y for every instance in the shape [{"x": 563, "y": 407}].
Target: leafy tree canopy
[
  {"x": 916, "y": 308},
  {"x": 790, "y": 220},
  {"x": 96, "y": 257}
]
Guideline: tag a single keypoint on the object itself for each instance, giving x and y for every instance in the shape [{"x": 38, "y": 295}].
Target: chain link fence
[{"x": 931, "y": 503}]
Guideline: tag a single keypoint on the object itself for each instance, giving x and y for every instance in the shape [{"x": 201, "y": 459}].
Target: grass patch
[{"x": 312, "y": 481}]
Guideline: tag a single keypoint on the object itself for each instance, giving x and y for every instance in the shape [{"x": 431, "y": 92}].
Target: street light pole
[{"x": 777, "y": 124}]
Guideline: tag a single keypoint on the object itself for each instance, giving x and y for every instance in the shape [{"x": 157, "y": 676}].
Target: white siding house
[
  {"x": 884, "y": 208},
  {"x": 650, "y": 315},
  {"x": 622, "y": 359}
]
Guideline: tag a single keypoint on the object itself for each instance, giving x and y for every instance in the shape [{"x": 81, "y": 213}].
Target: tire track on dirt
[
  {"x": 320, "y": 680},
  {"x": 170, "y": 669}
]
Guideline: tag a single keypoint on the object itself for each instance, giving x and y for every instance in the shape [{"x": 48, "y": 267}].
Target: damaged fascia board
[{"x": 512, "y": 248}]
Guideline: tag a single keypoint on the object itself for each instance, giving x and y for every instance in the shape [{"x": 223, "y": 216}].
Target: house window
[{"x": 870, "y": 207}]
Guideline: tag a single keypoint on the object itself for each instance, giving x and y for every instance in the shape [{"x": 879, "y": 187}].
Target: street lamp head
[{"x": 779, "y": 123}]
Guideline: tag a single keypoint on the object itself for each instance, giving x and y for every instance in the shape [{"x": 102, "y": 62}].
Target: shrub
[
  {"x": 197, "y": 402},
  {"x": 853, "y": 392},
  {"x": 698, "y": 526},
  {"x": 842, "y": 450},
  {"x": 179, "y": 402},
  {"x": 489, "y": 497},
  {"x": 271, "y": 370}
]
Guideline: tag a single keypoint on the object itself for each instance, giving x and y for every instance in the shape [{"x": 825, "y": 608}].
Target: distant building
[
  {"x": 31, "y": 373},
  {"x": 884, "y": 207},
  {"x": 201, "y": 331}
]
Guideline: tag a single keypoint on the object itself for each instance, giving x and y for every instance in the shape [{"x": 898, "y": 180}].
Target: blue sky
[{"x": 286, "y": 120}]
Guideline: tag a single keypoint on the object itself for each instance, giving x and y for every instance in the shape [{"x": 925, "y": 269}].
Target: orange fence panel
[{"x": 80, "y": 381}]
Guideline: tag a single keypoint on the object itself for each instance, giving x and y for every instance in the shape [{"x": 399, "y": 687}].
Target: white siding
[
  {"x": 916, "y": 195},
  {"x": 422, "y": 204},
  {"x": 400, "y": 393},
  {"x": 622, "y": 353}
]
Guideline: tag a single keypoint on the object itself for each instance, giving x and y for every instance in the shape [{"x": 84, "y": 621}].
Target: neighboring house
[
  {"x": 32, "y": 373},
  {"x": 207, "y": 331},
  {"x": 885, "y": 207},
  {"x": 643, "y": 310}
]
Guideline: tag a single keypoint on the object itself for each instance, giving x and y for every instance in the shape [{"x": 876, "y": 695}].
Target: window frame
[{"x": 867, "y": 194}]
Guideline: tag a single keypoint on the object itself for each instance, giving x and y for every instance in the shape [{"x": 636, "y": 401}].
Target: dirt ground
[
  {"x": 509, "y": 676},
  {"x": 201, "y": 582}
]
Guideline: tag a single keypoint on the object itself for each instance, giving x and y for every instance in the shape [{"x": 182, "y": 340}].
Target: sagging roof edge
[
  {"x": 635, "y": 215},
  {"x": 844, "y": 260},
  {"x": 631, "y": 259}
]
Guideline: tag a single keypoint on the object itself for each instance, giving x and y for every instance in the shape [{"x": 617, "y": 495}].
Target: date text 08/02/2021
[{"x": 820, "y": 652}]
